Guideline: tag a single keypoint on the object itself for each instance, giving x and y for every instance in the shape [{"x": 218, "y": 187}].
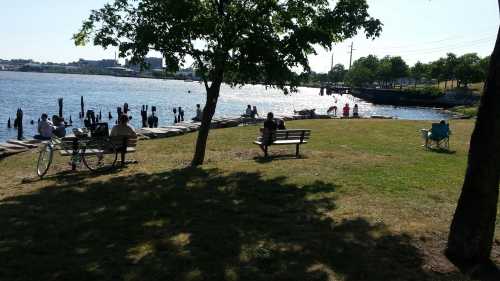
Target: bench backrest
[
  {"x": 294, "y": 134},
  {"x": 120, "y": 141}
]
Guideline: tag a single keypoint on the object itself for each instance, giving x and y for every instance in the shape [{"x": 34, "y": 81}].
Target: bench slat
[{"x": 69, "y": 152}]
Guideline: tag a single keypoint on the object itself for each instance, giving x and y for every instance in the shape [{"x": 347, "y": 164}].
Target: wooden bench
[
  {"x": 123, "y": 146},
  {"x": 295, "y": 137}
]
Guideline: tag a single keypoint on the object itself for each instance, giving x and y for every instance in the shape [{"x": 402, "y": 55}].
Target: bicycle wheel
[
  {"x": 44, "y": 159},
  {"x": 99, "y": 155}
]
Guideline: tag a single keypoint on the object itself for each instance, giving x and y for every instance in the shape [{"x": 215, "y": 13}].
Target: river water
[{"x": 36, "y": 93}]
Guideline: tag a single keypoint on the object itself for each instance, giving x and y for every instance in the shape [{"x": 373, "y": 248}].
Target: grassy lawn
[{"x": 365, "y": 202}]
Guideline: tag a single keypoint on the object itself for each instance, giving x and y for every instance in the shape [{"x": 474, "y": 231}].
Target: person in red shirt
[{"x": 346, "y": 110}]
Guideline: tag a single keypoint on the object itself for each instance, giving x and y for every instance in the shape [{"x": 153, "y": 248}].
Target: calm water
[{"x": 38, "y": 92}]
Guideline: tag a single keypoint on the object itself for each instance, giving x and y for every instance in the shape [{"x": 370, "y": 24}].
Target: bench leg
[
  {"x": 265, "y": 150},
  {"x": 122, "y": 154},
  {"x": 297, "y": 150}
]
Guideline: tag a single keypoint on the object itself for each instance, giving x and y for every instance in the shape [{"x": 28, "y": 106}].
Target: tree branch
[{"x": 196, "y": 55}]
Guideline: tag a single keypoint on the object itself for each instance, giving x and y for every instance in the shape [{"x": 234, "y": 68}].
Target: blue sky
[{"x": 415, "y": 29}]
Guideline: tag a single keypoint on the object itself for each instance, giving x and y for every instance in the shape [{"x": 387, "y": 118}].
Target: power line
[
  {"x": 443, "y": 48},
  {"x": 492, "y": 32}
]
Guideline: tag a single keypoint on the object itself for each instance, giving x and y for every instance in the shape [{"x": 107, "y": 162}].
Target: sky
[{"x": 417, "y": 30}]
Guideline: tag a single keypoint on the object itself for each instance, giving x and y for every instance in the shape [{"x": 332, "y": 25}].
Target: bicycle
[{"x": 97, "y": 154}]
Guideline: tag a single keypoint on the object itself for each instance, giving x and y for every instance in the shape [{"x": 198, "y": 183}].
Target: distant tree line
[{"x": 388, "y": 72}]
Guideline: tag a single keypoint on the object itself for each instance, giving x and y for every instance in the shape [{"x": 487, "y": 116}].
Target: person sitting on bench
[
  {"x": 270, "y": 126},
  {"x": 123, "y": 128},
  {"x": 281, "y": 124}
]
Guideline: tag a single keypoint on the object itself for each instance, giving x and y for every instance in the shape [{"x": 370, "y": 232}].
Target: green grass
[
  {"x": 364, "y": 202},
  {"x": 468, "y": 111}
]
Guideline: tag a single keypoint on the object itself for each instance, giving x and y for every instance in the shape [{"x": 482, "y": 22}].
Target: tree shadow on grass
[
  {"x": 278, "y": 157},
  {"x": 195, "y": 224}
]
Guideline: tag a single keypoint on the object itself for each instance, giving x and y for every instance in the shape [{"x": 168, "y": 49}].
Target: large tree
[
  {"x": 450, "y": 67},
  {"x": 237, "y": 41},
  {"x": 363, "y": 71},
  {"x": 418, "y": 71},
  {"x": 437, "y": 70},
  {"x": 337, "y": 73},
  {"x": 473, "y": 226},
  {"x": 468, "y": 69},
  {"x": 399, "y": 69}
]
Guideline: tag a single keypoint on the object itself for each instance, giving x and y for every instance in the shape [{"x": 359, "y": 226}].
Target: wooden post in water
[
  {"x": 82, "y": 107},
  {"x": 110, "y": 116},
  {"x": 19, "y": 116},
  {"x": 154, "y": 119},
  {"x": 8, "y": 124},
  {"x": 60, "y": 103},
  {"x": 125, "y": 108},
  {"x": 119, "y": 113},
  {"x": 70, "y": 121},
  {"x": 144, "y": 116}
]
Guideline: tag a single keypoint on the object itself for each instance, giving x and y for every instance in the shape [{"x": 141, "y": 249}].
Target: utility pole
[
  {"x": 352, "y": 50},
  {"x": 331, "y": 68}
]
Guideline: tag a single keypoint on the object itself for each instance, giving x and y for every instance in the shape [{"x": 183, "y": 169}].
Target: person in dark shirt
[
  {"x": 270, "y": 126},
  {"x": 281, "y": 124}
]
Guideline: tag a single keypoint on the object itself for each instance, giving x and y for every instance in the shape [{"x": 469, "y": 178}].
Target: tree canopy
[
  {"x": 468, "y": 68},
  {"x": 237, "y": 41},
  {"x": 250, "y": 41}
]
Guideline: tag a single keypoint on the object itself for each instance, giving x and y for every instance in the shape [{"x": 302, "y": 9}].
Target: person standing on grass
[
  {"x": 270, "y": 127},
  {"x": 355, "y": 111},
  {"x": 346, "y": 110}
]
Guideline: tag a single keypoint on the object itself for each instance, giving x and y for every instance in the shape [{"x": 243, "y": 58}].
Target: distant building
[
  {"x": 97, "y": 63},
  {"x": 151, "y": 64},
  {"x": 187, "y": 73}
]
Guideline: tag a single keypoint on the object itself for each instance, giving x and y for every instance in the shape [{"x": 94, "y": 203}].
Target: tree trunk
[
  {"x": 446, "y": 84},
  {"x": 206, "y": 120},
  {"x": 473, "y": 226}
]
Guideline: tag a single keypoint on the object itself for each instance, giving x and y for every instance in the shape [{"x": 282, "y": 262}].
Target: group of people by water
[
  {"x": 251, "y": 112},
  {"x": 47, "y": 128},
  {"x": 57, "y": 126},
  {"x": 346, "y": 111}
]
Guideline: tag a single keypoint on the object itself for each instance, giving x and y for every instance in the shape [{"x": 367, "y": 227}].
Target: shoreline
[{"x": 14, "y": 146}]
